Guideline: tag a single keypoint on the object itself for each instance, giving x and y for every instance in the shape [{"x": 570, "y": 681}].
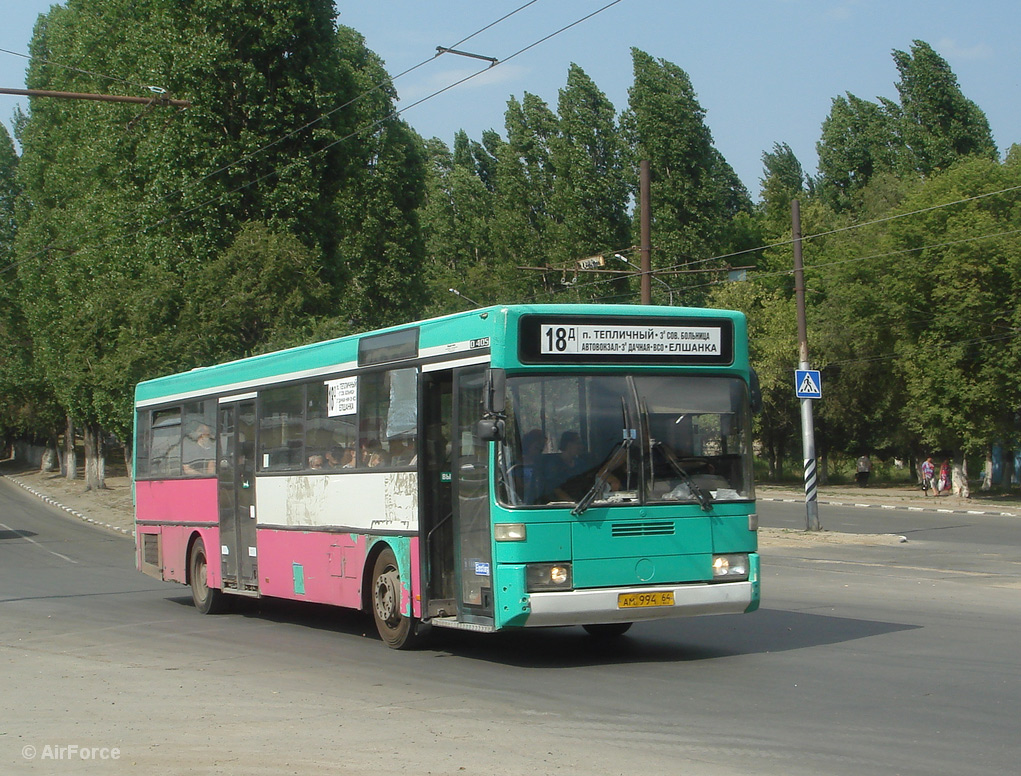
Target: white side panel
[{"x": 373, "y": 501}]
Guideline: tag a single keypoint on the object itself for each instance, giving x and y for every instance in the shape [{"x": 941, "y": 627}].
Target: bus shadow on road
[
  {"x": 665, "y": 641},
  {"x": 300, "y": 613},
  {"x": 661, "y": 641}
]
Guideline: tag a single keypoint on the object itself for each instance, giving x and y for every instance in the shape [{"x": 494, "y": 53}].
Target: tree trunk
[
  {"x": 960, "y": 485},
  {"x": 1008, "y": 470},
  {"x": 95, "y": 460},
  {"x": 128, "y": 462},
  {"x": 70, "y": 456}
]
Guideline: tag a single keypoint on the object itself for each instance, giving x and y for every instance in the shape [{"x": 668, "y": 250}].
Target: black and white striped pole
[{"x": 804, "y": 368}]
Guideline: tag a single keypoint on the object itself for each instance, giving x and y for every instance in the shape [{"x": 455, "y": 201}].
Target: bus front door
[
  {"x": 471, "y": 499},
  {"x": 455, "y": 498},
  {"x": 236, "y": 495}
]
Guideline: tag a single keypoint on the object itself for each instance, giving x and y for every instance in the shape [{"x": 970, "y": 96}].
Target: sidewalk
[
  {"x": 111, "y": 508},
  {"x": 899, "y": 496}
]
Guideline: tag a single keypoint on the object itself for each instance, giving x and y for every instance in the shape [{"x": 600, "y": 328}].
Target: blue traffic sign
[{"x": 807, "y": 384}]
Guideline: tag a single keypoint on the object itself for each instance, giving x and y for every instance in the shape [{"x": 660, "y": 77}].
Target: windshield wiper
[
  {"x": 612, "y": 461},
  {"x": 704, "y": 499}
]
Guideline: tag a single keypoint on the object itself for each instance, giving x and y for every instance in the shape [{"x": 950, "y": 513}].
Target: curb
[
  {"x": 69, "y": 510},
  {"x": 893, "y": 506}
]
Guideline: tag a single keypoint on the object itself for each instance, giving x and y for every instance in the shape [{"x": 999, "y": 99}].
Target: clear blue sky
[{"x": 765, "y": 70}]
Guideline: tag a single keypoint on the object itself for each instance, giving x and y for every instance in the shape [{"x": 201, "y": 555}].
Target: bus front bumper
[{"x": 591, "y": 607}]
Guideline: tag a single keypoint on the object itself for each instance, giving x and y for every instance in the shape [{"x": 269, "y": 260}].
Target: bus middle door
[{"x": 236, "y": 495}]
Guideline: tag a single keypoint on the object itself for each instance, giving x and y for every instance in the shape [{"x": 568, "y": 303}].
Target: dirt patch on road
[{"x": 783, "y": 537}]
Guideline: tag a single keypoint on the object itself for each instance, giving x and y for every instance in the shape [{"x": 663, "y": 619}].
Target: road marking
[{"x": 30, "y": 539}]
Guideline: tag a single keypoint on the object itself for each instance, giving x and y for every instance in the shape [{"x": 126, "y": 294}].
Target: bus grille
[{"x": 648, "y": 528}]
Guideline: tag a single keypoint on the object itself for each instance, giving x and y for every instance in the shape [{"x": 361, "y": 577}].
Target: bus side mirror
[
  {"x": 494, "y": 402},
  {"x": 491, "y": 429},
  {"x": 755, "y": 392}
]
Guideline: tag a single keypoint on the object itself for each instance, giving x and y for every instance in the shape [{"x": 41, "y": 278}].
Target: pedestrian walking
[
  {"x": 928, "y": 471},
  {"x": 864, "y": 468},
  {"x": 943, "y": 481}
]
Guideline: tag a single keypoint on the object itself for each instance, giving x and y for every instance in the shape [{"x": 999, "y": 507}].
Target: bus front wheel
[
  {"x": 397, "y": 630},
  {"x": 208, "y": 600}
]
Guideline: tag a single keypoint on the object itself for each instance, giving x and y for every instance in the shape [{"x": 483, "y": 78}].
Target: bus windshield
[{"x": 584, "y": 440}]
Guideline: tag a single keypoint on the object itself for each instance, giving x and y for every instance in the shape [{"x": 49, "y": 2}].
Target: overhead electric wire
[
  {"x": 371, "y": 125},
  {"x": 253, "y": 154},
  {"x": 76, "y": 69},
  {"x": 757, "y": 275}
]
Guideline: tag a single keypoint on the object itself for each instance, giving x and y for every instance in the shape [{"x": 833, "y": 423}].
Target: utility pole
[
  {"x": 158, "y": 98},
  {"x": 644, "y": 187},
  {"x": 807, "y": 424}
]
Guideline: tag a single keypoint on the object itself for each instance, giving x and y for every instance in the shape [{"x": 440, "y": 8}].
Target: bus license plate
[{"x": 635, "y": 600}]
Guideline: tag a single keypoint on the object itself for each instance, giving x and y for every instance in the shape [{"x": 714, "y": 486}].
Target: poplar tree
[
  {"x": 937, "y": 123},
  {"x": 695, "y": 192},
  {"x": 590, "y": 190},
  {"x": 125, "y": 209}
]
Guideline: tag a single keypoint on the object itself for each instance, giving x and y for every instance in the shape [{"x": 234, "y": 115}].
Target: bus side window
[
  {"x": 166, "y": 443},
  {"x": 282, "y": 429},
  {"x": 143, "y": 443}
]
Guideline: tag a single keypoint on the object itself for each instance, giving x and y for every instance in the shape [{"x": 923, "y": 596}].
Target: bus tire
[
  {"x": 395, "y": 629},
  {"x": 208, "y": 600},
  {"x": 608, "y": 630}
]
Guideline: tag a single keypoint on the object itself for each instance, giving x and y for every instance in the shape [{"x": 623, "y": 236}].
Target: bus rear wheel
[
  {"x": 208, "y": 600},
  {"x": 608, "y": 630},
  {"x": 397, "y": 630}
]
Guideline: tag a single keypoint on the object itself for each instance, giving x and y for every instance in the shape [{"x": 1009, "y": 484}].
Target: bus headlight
[
  {"x": 509, "y": 532},
  {"x": 542, "y": 577},
  {"x": 730, "y": 568}
]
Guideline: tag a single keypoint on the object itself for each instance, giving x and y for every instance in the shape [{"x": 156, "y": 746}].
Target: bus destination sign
[
  {"x": 630, "y": 340},
  {"x": 655, "y": 340}
]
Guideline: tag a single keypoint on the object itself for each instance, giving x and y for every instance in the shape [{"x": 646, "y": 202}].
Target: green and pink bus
[{"x": 508, "y": 467}]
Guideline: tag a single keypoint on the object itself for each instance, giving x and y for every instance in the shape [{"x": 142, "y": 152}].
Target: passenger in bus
[
  {"x": 373, "y": 454},
  {"x": 570, "y": 475},
  {"x": 529, "y": 481},
  {"x": 338, "y": 457},
  {"x": 316, "y": 462},
  {"x": 402, "y": 452},
  {"x": 200, "y": 451}
]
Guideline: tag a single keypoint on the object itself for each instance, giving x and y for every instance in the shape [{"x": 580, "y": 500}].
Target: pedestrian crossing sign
[{"x": 807, "y": 384}]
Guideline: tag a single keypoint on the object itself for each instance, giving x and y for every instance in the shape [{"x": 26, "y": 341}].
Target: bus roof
[{"x": 450, "y": 336}]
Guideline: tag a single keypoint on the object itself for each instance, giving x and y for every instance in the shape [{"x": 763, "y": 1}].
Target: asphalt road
[{"x": 892, "y": 659}]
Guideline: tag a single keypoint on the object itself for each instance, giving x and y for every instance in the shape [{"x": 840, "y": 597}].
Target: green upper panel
[{"x": 641, "y": 340}]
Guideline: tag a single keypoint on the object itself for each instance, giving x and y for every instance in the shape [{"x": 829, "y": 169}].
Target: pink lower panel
[
  {"x": 324, "y": 567},
  {"x": 177, "y": 501},
  {"x": 176, "y": 540}
]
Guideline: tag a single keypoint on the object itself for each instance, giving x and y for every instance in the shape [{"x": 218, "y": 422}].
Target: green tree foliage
[
  {"x": 859, "y": 139},
  {"x": 376, "y": 214},
  {"x": 773, "y": 349},
  {"x": 695, "y": 193},
  {"x": 931, "y": 127},
  {"x": 783, "y": 180},
  {"x": 955, "y": 304},
  {"x": 457, "y": 221},
  {"x": 937, "y": 123},
  {"x": 523, "y": 217},
  {"x": 131, "y": 218},
  {"x": 26, "y": 406},
  {"x": 590, "y": 191}
]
